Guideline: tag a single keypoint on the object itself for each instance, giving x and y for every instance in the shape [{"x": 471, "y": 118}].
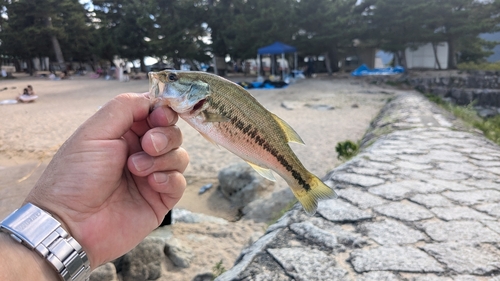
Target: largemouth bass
[{"x": 227, "y": 115}]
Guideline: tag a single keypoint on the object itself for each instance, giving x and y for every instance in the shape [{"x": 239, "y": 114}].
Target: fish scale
[{"x": 227, "y": 115}]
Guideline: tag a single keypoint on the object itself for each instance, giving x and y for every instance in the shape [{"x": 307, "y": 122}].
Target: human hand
[{"x": 113, "y": 181}]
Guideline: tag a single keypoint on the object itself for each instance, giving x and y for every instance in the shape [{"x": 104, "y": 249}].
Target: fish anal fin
[
  {"x": 309, "y": 198},
  {"x": 214, "y": 117},
  {"x": 266, "y": 173},
  {"x": 291, "y": 135}
]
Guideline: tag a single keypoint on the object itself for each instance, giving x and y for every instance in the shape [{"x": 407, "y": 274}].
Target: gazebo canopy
[{"x": 276, "y": 48}]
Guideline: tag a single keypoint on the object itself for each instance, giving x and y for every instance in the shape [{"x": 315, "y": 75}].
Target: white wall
[{"x": 423, "y": 57}]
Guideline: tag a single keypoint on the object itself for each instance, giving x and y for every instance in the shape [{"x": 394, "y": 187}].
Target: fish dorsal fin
[
  {"x": 291, "y": 135},
  {"x": 214, "y": 117},
  {"x": 266, "y": 173}
]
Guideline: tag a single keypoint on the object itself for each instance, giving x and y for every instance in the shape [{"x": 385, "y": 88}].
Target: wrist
[
  {"x": 20, "y": 263},
  {"x": 41, "y": 234}
]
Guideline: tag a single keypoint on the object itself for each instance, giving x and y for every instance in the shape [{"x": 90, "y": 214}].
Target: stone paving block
[
  {"x": 365, "y": 171},
  {"x": 466, "y": 258},
  {"x": 431, "y": 200},
  {"x": 470, "y": 231},
  {"x": 474, "y": 197},
  {"x": 392, "y": 191},
  {"x": 312, "y": 264},
  {"x": 450, "y": 185},
  {"x": 405, "y": 211},
  {"x": 380, "y": 166},
  {"x": 464, "y": 168},
  {"x": 422, "y": 159},
  {"x": 378, "y": 157},
  {"x": 492, "y": 209},
  {"x": 338, "y": 211},
  {"x": 355, "y": 179},
  {"x": 425, "y": 277},
  {"x": 482, "y": 156},
  {"x": 360, "y": 198},
  {"x": 315, "y": 234},
  {"x": 412, "y": 166},
  {"x": 378, "y": 276},
  {"x": 433, "y": 277},
  {"x": 446, "y": 156},
  {"x": 494, "y": 170},
  {"x": 459, "y": 213},
  {"x": 448, "y": 175},
  {"x": 412, "y": 175},
  {"x": 482, "y": 163},
  {"x": 390, "y": 258},
  {"x": 483, "y": 184},
  {"x": 484, "y": 175},
  {"x": 493, "y": 225},
  {"x": 390, "y": 232}
]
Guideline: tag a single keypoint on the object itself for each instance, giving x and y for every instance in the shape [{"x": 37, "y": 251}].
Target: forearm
[{"x": 20, "y": 263}]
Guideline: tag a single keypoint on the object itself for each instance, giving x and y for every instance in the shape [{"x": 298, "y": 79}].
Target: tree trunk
[
  {"x": 55, "y": 43},
  {"x": 452, "y": 59},
  {"x": 328, "y": 63},
  {"x": 434, "y": 48},
  {"x": 143, "y": 65}
]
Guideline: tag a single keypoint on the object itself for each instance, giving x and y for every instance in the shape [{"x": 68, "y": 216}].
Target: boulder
[
  {"x": 144, "y": 261},
  {"x": 180, "y": 255},
  {"x": 105, "y": 272},
  {"x": 241, "y": 184}
]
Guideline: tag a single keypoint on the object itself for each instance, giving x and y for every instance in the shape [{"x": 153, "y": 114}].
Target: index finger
[{"x": 162, "y": 116}]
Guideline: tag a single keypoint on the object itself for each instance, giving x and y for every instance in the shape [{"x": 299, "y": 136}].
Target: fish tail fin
[{"x": 309, "y": 198}]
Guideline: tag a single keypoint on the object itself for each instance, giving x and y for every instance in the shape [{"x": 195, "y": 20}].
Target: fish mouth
[{"x": 198, "y": 106}]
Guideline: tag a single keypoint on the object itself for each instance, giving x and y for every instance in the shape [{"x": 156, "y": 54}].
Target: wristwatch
[{"x": 39, "y": 231}]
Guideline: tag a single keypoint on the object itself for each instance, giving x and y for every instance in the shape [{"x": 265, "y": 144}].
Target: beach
[{"x": 323, "y": 111}]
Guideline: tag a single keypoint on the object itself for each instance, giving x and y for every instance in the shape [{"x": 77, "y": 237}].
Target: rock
[
  {"x": 144, "y": 261},
  {"x": 341, "y": 211},
  {"x": 405, "y": 211},
  {"x": 186, "y": 216},
  {"x": 266, "y": 209},
  {"x": 179, "y": 254},
  {"x": 105, "y": 272},
  {"x": 468, "y": 259},
  {"x": 391, "y": 258},
  {"x": 390, "y": 232},
  {"x": 241, "y": 184},
  {"x": 312, "y": 264},
  {"x": 204, "y": 277},
  {"x": 454, "y": 231},
  {"x": 315, "y": 234}
]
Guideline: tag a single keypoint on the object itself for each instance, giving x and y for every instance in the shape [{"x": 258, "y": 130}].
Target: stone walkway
[{"x": 420, "y": 202}]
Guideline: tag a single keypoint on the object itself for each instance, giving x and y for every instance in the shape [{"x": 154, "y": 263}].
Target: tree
[
  {"x": 325, "y": 26},
  {"x": 43, "y": 28}
]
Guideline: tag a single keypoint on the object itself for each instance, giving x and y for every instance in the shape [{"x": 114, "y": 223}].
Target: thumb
[{"x": 116, "y": 117}]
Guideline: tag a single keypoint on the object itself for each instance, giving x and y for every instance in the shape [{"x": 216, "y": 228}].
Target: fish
[{"x": 227, "y": 115}]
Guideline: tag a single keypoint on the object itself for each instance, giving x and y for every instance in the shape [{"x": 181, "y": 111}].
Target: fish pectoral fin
[
  {"x": 266, "y": 173},
  {"x": 209, "y": 139},
  {"x": 214, "y": 117},
  {"x": 291, "y": 135}
]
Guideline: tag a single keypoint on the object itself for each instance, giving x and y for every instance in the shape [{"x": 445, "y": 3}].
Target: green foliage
[
  {"x": 218, "y": 269},
  {"x": 346, "y": 150},
  {"x": 486, "y": 66},
  {"x": 489, "y": 126}
]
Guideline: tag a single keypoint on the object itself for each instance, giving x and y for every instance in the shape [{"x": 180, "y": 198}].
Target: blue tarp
[
  {"x": 276, "y": 48},
  {"x": 363, "y": 70}
]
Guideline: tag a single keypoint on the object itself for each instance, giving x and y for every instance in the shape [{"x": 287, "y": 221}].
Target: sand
[{"x": 323, "y": 110}]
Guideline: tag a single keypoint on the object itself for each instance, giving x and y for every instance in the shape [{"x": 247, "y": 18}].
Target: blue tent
[{"x": 278, "y": 48}]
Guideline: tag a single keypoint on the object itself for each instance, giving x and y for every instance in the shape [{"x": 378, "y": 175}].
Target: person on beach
[{"x": 109, "y": 185}]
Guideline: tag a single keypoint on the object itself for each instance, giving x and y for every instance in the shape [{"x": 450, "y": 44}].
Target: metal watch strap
[{"x": 39, "y": 231}]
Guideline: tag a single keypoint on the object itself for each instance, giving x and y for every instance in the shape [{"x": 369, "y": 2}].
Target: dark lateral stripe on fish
[{"x": 258, "y": 140}]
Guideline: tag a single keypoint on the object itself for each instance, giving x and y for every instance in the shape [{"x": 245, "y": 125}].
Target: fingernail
[
  {"x": 160, "y": 177},
  {"x": 159, "y": 140},
  {"x": 142, "y": 162}
]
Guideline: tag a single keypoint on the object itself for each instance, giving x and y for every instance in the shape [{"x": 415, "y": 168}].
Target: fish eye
[{"x": 172, "y": 77}]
